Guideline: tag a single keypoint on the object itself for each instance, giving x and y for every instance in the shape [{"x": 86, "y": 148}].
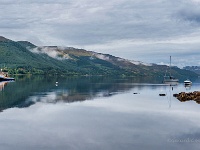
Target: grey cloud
[
  {"x": 88, "y": 22},
  {"x": 131, "y": 20},
  {"x": 83, "y": 23},
  {"x": 127, "y": 20},
  {"x": 190, "y": 13},
  {"x": 9, "y": 2},
  {"x": 193, "y": 16}
]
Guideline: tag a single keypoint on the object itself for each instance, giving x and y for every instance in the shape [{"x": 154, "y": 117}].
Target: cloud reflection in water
[{"x": 109, "y": 116}]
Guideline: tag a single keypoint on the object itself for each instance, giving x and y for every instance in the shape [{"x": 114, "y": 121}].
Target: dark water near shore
[{"x": 99, "y": 113}]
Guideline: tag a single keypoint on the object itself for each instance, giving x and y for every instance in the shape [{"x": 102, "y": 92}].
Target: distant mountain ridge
[
  {"x": 195, "y": 69},
  {"x": 23, "y": 57},
  {"x": 2, "y": 39}
]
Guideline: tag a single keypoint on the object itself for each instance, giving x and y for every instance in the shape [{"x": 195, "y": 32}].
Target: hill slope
[
  {"x": 24, "y": 57},
  {"x": 195, "y": 69}
]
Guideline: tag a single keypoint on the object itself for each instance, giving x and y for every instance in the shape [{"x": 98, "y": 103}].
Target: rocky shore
[{"x": 183, "y": 96}]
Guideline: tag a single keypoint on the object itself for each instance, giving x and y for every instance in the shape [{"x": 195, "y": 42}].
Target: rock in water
[{"x": 188, "y": 96}]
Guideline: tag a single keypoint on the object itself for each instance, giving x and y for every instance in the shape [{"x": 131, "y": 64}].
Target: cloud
[
  {"x": 190, "y": 12},
  {"x": 125, "y": 28},
  {"x": 50, "y": 51}
]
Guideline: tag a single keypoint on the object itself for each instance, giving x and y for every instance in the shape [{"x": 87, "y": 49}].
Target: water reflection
[
  {"x": 27, "y": 90},
  {"x": 188, "y": 87},
  {"x": 2, "y": 85},
  {"x": 95, "y": 113}
]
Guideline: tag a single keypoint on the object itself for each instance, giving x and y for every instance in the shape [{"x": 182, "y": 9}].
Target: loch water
[{"x": 101, "y": 113}]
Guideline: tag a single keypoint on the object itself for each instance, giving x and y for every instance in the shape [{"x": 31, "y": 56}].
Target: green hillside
[{"x": 23, "y": 57}]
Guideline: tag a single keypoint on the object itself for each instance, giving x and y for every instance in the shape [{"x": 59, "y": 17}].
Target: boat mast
[{"x": 170, "y": 66}]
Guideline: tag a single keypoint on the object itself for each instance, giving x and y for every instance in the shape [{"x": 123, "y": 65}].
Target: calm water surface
[{"x": 96, "y": 113}]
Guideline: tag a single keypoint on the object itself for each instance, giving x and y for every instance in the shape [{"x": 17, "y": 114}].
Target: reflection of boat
[
  {"x": 170, "y": 79},
  {"x": 188, "y": 82},
  {"x": 2, "y": 84}
]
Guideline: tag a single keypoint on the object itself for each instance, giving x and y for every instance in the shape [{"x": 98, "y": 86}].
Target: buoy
[{"x": 135, "y": 93}]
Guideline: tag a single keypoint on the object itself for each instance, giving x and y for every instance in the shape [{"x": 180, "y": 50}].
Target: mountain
[
  {"x": 195, "y": 69},
  {"x": 23, "y": 57},
  {"x": 3, "y": 39}
]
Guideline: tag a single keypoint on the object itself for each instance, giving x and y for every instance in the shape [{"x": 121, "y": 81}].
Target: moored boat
[
  {"x": 4, "y": 78},
  {"x": 188, "y": 82},
  {"x": 170, "y": 79}
]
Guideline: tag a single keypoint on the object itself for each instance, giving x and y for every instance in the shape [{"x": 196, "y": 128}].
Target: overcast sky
[{"x": 144, "y": 30}]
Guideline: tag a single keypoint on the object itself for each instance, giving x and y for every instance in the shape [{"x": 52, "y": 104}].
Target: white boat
[
  {"x": 4, "y": 77},
  {"x": 170, "y": 79},
  {"x": 188, "y": 82}
]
